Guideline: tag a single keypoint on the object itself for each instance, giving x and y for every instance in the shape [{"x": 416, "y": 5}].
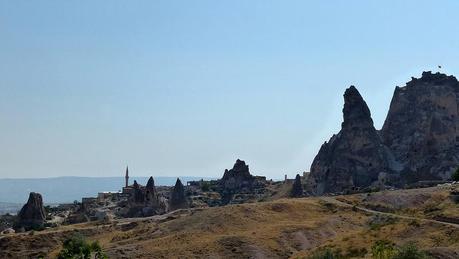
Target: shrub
[
  {"x": 77, "y": 247},
  {"x": 455, "y": 175},
  {"x": 383, "y": 249},
  {"x": 410, "y": 251}
]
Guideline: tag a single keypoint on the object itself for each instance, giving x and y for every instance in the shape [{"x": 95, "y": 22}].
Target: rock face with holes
[
  {"x": 355, "y": 157},
  {"x": 32, "y": 214},
  {"x": 422, "y": 127},
  {"x": 418, "y": 142}
]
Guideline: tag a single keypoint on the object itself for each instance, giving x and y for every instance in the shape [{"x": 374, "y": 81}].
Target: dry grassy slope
[
  {"x": 277, "y": 229},
  {"x": 430, "y": 203}
]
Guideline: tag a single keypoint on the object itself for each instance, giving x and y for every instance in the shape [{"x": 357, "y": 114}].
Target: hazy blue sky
[{"x": 187, "y": 87}]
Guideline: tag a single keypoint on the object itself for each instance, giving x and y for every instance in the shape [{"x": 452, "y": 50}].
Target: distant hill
[{"x": 68, "y": 189}]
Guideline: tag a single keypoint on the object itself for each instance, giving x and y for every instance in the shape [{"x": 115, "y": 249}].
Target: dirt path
[{"x": 340, "y": 203}]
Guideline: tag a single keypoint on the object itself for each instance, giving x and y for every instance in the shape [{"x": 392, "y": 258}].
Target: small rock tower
[{"x": 127, "y": 177}]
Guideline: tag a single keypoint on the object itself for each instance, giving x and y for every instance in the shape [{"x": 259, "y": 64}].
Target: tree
[
  {"x": 77, "y": 247},
  {"x": 297, "y": 188},
  {"x": 455, "y": 175}
]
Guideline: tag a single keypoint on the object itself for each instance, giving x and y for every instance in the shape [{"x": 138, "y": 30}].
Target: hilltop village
[{"x": 236, "y": 186}]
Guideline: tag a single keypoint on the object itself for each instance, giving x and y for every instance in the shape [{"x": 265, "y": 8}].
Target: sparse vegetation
[
  {"x": 311, "y": 227},
  {"x": 384, "y": 249},
  {"x": 378, "y": 221},
  {"x": 409, "y": 251},
  {"x": 77, "y": 247},
  {"x": 326, "y": 253}
]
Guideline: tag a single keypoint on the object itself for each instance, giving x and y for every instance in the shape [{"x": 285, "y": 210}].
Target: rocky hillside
[
  {"x": 287, "y": 228},
  {"x": 417, "y": 141}
]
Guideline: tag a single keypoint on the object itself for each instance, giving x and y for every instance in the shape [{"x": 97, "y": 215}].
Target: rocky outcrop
[
  {"x": 297, "y": 188},
  {"x": 238, "y": 176},
  {"x": 237, "y": 180},
  {"x": 138, "y": 195},
  {"x": 178, "y": 197},
  {"x": 418, "y": 142},
  {"x": 355, "y": 157},
  {"x": 422, "y": 126},
  {"x": 145, "y": 201},
  {"x": 32, "y": 214}
]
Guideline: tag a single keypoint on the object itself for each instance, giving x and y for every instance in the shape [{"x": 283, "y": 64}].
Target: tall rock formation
[
  {"x": 419, "y": 140},
  {"x": 138, "y": 195},
  {"x": 151, "y": 196},
  {"x": 32, "y": 214},
  {"x": 297, "y": 188},
  {"x": 178, "y": 198},
  {"x": 422, "y": 127},
  {"x": 355, "y": 157},
  {"x": 237, "y": 177},
  {"x": 236, "y": 180}
]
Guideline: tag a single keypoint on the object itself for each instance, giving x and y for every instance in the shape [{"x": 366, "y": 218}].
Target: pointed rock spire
[
  {"x": 352, "y": 158},
  {"x": 151, "y": 183},
  {"x": 355, "y": 111},
  {"x": 178, "y": 198}
]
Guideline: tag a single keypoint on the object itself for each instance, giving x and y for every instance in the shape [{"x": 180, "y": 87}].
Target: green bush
[
  {"x": 455, "y": 175},
  {"x": 410, "y": 251},
  {"x": 383, "y": 249},
  {"x": 77, "y": 247}
]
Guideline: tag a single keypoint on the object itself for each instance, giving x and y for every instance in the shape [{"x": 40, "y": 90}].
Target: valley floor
[{"x": 285, "y": 228}]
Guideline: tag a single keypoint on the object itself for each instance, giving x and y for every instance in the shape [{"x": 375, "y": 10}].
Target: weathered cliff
[{"x": 422, "y": 126}]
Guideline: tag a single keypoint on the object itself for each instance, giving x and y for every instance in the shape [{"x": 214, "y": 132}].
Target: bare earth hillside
[{"x": 286, "y": 228}]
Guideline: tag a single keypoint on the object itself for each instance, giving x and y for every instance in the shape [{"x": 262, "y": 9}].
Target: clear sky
[{"x": 187, "y": 87}]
